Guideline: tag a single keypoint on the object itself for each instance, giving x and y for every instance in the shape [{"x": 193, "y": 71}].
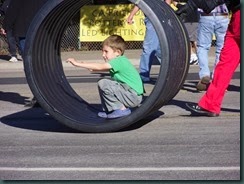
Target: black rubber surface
[{"x": 46, "y": 78}]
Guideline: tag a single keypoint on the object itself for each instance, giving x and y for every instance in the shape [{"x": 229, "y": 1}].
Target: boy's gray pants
[{"x": 115, "y": 95}]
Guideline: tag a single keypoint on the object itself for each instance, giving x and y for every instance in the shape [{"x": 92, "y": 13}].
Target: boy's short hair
[{"x": 115, "y": 42}]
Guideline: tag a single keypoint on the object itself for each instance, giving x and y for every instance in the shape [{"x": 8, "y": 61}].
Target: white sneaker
[
  {"x": 13, "y": 59},
  {"x": 194, "y": 60}
]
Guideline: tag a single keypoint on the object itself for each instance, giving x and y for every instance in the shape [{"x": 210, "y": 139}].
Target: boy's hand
[
  {"x": 73, "y": 61},
  {"x": 130, "y": 20}
]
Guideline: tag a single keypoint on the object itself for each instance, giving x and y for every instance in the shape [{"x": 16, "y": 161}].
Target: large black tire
[{"x": 47, "y": 81}]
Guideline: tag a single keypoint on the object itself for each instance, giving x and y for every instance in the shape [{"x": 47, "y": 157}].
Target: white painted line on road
[{"x": 113, "y": 169}]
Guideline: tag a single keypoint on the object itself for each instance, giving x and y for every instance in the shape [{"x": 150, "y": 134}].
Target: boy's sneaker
[
  {"x": 119, "y": 113},
  {"x": 13, "y": 59}
]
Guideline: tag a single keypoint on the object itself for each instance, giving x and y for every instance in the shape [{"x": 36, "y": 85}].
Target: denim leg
[
  {"x": 221, "y": 25},
  {"x": 158, "y": 53},
  {"x": 204, "y": 40},
  {"x": 12, "y": 43},
  {"x": 150, "y": 47},
  {"x": 22, "y": 44}
]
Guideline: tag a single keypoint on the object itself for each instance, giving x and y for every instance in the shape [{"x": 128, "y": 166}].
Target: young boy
[{"x": 125, "y": 89}]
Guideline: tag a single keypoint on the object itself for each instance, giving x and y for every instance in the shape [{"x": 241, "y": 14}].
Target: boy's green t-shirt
[{"x": 124, "y": 72}]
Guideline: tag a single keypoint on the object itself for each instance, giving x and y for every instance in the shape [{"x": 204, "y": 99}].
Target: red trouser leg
[{"x": 228, "y": 62}]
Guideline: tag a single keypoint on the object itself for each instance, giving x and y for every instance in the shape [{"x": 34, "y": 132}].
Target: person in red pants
[{"x": 210, "y": 103}]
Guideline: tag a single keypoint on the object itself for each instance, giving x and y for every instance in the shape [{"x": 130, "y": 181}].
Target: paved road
[{"x": 169, "y": 145}]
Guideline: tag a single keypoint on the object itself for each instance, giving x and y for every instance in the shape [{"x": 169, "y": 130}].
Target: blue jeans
[
  {"x": 209, "y": 25},
  {"x": 22, "y": 44},
  {"x": 151, "y": 50}
]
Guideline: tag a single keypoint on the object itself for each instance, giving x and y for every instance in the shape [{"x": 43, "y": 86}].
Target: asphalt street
[{"x": 171, "y": 144}]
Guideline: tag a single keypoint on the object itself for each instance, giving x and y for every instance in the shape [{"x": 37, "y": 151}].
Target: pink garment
[{"x": 228, "y": 62}]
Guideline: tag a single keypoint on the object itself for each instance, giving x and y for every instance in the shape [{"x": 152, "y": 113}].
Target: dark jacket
[
  {"x": 194, "y": 17},
  {"x": 19, "y": 15},
  {"x": 233, "y": 5}
]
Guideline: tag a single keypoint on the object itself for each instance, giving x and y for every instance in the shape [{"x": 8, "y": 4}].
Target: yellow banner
[{"x": 99, "y": 21}]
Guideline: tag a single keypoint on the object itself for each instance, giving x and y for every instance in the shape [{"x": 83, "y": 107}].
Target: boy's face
[{"x": 109, "y": 53}]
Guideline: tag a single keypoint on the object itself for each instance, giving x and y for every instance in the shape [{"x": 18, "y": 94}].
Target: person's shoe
[
  {"x": 145, "y": 79},
  {"x": 200, "y": 111},
  {"x": 33, "y": 103},
  {"x": 203, "y": 84},
  {"x": 102, "y": 114},
  {"x": 193, "y": 60},
  {"x": 13, "y": 59},
  {"x": 119, "y": 113}
]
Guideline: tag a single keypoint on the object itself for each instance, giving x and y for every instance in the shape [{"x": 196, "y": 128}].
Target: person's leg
[
  {"x": 220, "y": 28},
  {"x": 150, "y": 46},
  {"x": 193, "y": 58},
  {"x": 204, "y": 40},
  {"x": 33, "y": 102},
  {"x": 22, "y": 44},
  {"x": 158, "y": 54},
  {"x": 228, "y": 62},
  {"x": 116, "y": 96},
  {"x": 192, "y": 32},
  {"x": 194, "y": 47},
  {"x": 106, "y": 89},
  {"x": 12, "y": 46},
  {"x": 128, "y": 97}
]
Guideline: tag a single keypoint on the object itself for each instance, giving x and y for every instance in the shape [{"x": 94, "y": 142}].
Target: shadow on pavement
[
  {"x": 35, "y": 119},
  {"x": 190, "y": 86},
  {"x": 143, "y": 122},
  {"x": 13, "y": 97},
  {"x": 38, "y": 119}
]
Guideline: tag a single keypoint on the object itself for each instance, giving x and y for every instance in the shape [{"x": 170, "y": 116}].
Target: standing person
[
  {"x": 191, "y": 24},
  {"x": 125, "y": 90},
  {"x": 214, "y": 23},
  {"x": 18, "y": 17},
  {"x": 210, "y": 103},
  {"x": 151, "y": 47},
  {"x": 11, "y": 38}
]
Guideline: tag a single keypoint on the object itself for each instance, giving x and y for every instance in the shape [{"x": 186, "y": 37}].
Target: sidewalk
[{"x": 92, "y": 56}]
